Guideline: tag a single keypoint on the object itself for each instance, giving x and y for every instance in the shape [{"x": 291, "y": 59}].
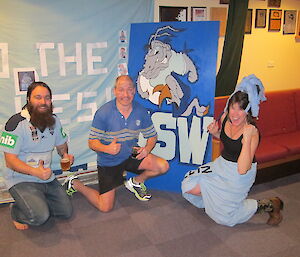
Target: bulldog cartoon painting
[
  {"x": 156, "y": 81},
  {"x": 174, "y": 67}
]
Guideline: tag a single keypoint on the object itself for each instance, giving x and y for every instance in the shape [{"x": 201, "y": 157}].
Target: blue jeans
[{"x": 36, "y": 202}]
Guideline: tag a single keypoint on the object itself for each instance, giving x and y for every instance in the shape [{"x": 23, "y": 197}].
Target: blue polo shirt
[{"x": 109, "y": 123}]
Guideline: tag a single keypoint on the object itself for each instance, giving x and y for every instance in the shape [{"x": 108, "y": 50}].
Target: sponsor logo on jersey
[{"x": 8, "y": 140}]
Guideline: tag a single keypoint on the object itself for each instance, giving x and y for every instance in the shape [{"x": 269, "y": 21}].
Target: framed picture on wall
[
  {"x": 248, "y": 24},
  {"x": 23, "y": 78},
  {"x": 260, "y": 18},
  {"x": 224, "y": 1},
  {"x": 122, "y": 69},
  {"x": 298, "y": 28},
  {"x": 275, "y": 20},
  {"x": 198, "y": 14},
  {"x": 122, "y": 36},
  {"x": 122, "y": 52},
  {"x": 289, "y": 21},
  {"x": 274, "y": 3},
  {"x": 170, "y": 13}
]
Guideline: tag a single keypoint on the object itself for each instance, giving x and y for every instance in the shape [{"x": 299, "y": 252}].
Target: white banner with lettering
[{"x": 77, "y": 47}]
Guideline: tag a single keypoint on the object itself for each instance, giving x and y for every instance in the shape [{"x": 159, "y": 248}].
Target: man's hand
[
  {"x": 142, "y": 153},
  {"x": 41, "y": 172},
  {"x": 69, "y": 157},
  {"x": 114, "y": 147}
]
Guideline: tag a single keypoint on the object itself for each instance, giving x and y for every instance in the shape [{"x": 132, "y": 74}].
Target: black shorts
[{"x": 112, "y": 177}]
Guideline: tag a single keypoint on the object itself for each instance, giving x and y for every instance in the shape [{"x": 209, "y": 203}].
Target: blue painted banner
[
  {"x": 174, "y": 66},
  {"x": 77, "y": 47}
]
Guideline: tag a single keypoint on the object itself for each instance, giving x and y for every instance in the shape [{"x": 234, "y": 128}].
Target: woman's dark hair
[
  {"x": 33, "y": 85},
  {"x": 241, "y": 98}
]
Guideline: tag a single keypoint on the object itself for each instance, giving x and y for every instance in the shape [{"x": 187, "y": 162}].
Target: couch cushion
[
  {"x": 297, "y": 103},
  {"x": 268, "y": 150},
  {"x": 278, "y": 114},
  {"x": 291, "y": 141}
]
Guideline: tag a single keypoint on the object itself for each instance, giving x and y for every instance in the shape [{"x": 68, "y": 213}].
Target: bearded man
[{"x": 27, "y": 142}]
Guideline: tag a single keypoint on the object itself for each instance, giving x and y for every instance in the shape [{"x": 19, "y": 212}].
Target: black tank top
[{"x": 231, "y": 147}]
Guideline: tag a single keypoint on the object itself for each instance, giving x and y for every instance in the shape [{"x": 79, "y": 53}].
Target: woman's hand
[
  {"x": 213, "y": 128},
  {"x": 249, "y": 131}
]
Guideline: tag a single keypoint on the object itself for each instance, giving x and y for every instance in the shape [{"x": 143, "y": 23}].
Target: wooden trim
[
  {"x": 216, "y": 148},
  {"x": 278, "y": 161},
  {"x": 221, "y": 97}
]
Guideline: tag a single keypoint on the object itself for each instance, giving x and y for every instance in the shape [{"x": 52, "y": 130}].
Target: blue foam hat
[{"x": 252, "y": 86}]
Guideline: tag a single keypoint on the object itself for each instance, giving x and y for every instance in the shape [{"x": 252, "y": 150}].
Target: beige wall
[{"x": 271, "y": 56}]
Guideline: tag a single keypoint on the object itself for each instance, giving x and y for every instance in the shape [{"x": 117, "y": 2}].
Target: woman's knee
[{"x": 195, "y": 191}]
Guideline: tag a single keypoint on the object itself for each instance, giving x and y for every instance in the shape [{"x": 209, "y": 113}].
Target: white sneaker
[
  {"x": 68, "y": 185},
  {"x": 139, "y": 190}
]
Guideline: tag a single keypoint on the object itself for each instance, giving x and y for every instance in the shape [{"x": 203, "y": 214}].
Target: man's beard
[{"x": 41, "y": 120}]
